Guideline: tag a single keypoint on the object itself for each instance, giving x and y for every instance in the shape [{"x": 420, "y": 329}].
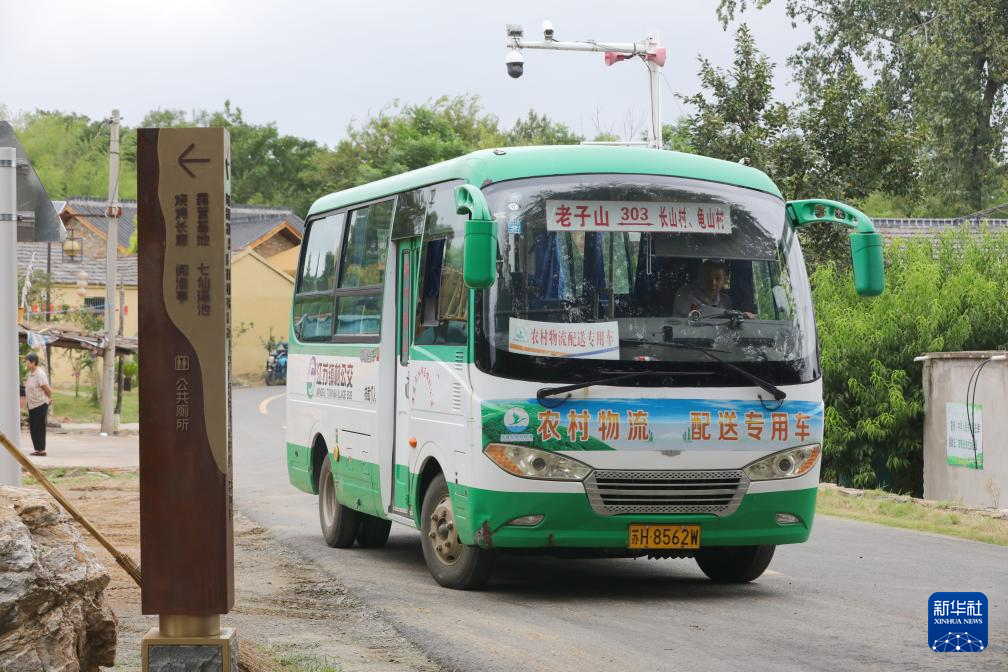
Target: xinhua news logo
[{"x": 957, "y": 622}]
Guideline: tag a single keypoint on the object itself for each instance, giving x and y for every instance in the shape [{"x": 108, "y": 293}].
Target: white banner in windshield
[
  {"x": 589, "y": 340},
  {"x": 569, "y": 215}
]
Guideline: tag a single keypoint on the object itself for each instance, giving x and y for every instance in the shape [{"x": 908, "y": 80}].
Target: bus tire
[
  {"x": 451, "y": 563},
  {"x": 339, "y": 523},
  {"x": 734, "y": 564},
  {"x": 373, "y": 532}
]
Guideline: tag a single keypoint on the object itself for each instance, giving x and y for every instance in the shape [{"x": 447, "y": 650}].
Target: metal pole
[
  {"x": 656, "y": 127},
  {"x": 48, "y": 315},
  {"x": 10, "y": 377},
  {"x": 119, "y": 359},
  {"x": 108, "y": 423},
  {"x": 654, "y": 83},
  {"x": 649, "y": 51}
]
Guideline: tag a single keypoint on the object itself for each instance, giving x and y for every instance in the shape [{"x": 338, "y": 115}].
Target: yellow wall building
[
  {"x": 265, "y": 243},
  {"x": 254, "y": 321}
]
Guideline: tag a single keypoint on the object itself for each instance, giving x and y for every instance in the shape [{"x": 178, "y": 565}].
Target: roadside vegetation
[
  {"x": 884, "y": 508},
  {"x": 70, "y": 408},
  {"x": 73, "y": 476}
]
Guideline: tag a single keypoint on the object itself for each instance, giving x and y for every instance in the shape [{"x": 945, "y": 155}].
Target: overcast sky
[{"x": 314, "y": 66}]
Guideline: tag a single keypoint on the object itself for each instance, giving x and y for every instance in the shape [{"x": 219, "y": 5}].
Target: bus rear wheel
[
  {"x": 451, "y": 563},
  {"x": 339, "y": 523},
  {"x": 734, "y": 564},
  {"x": 373, "y": 532}
]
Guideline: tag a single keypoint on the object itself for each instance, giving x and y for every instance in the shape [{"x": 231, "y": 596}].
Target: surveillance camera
[
  {"x": 514, "y": 30},
  {"x": 515, "y": 63},
  {"x": 548, "y": 30}
]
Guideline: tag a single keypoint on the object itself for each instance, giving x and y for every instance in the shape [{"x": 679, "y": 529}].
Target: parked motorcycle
[{"x": 276, "y": 366}]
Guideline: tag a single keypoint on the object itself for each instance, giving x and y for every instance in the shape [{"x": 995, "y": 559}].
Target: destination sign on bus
[{"x": 575, "y": 215}]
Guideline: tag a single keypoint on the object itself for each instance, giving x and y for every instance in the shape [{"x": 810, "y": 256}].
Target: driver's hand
[{"x": 749, "y": 316}]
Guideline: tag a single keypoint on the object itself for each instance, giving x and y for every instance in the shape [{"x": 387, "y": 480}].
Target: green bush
[{"x": 943, "y": 296}]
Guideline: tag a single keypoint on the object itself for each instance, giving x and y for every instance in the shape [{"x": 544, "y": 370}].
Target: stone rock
[{"x": 53, "y": 611}]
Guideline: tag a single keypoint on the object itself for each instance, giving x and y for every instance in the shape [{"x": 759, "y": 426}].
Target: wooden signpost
[{"x": 186, "y": 529}]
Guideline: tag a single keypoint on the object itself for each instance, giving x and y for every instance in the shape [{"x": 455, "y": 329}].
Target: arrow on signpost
[{"x": 183, "y": 160}]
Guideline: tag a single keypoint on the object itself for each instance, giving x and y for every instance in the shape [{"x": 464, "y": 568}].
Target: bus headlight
[
  {"x": 529, "y": 462},
  {"x": 789, "y": 463}
]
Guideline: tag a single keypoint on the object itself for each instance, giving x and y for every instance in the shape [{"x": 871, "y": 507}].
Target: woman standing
[{"x": 38, "y": 395}]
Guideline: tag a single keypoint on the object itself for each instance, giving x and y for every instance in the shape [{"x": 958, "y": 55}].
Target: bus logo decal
[{"x": 516, "y": 419}]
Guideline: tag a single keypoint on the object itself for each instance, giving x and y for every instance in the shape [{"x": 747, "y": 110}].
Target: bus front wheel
[
  {"x": 734, "y": 564},
  {"x": 339, "y": 523},
  {"x": 452, "y": 564}
]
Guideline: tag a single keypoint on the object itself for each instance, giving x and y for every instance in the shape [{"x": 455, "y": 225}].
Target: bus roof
[{"x": 510, "y": 163}]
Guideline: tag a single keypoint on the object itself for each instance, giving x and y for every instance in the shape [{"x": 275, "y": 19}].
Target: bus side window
[
  {"x": 362, "y": 271},
  {"x": 313, "y": 301},
  {"x": 443, "y": 299}
]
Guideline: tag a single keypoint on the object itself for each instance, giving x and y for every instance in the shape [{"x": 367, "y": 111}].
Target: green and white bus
[{"x": 580, "y": 350}]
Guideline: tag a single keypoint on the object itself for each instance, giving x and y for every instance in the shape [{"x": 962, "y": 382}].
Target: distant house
[
  {"x": 273, "y": 233},
  {"x": 895, "y": 228},
  {"x": 264, "y": 249}
]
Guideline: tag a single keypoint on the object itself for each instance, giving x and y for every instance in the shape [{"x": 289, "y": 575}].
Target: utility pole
[
  {"x": 119, "y": 359},
  {"x": 48, "y": 309},
  {"x": 109, "y": 424},
  {"x": 649, "y": 51},
  {"x": 10, "y": 377}
]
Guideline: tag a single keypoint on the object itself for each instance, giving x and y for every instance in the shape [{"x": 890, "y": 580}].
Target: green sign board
[{"x": 964, "y": 435}]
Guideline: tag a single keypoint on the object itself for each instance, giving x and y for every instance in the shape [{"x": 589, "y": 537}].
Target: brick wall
[
  {"x": 93, "y": 245},
  {"x": 275, "y": 245}
]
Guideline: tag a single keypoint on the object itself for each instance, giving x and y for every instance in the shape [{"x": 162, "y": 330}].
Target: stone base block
[{"x": 190, "y": 654}]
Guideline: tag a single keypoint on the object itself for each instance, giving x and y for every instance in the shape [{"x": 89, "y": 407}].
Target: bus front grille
[{"x": 614, "y": 492}]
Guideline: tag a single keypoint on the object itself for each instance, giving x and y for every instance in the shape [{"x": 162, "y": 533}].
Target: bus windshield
[{"x": 611, "y": 274}]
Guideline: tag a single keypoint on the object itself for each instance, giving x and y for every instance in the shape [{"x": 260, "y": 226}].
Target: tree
[
  {"x": 268, "y": 168},
  {"x": 945, "y": 64},
  {"x": 70, "y": 153},
  {"x": 537, "y": 129},
  {"x": 737, "y": 117},
  {"x": 406, "y": 137},
  {"x": 844, "y": 143},
  {"x": 942, "y": 296}
]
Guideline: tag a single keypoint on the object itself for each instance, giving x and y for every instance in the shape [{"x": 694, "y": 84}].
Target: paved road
[{"x": 853, "y": 598}]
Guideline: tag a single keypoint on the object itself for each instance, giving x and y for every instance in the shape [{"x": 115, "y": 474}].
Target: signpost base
[{"x": 190, "y": 643}]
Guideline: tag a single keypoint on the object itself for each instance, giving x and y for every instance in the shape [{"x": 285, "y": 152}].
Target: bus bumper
[{"x": 483, "y": 518}]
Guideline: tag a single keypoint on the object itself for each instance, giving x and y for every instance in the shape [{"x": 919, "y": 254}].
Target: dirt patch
[{"x": 286, "y": 606}]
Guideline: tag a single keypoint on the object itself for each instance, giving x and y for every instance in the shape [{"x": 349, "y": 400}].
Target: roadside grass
[
  {"x": 296, "y": 662},
  {"x": 287, "y": 659},
  {"x": 68, "y": 408},
  {"x": 876, "y": 506},
  {"x": 70, "y": 476}
]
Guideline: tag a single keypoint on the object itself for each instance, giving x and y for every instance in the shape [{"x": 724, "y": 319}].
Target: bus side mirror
[
  {"x": 866, "y": 243},
  {"x": 869, "y": 267},
  {"x": 479, "y": 261}
]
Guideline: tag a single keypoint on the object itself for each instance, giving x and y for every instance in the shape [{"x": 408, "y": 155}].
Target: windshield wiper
[
  {"x": 544, "y": 392},
  {"x": 778, "y": 394}
]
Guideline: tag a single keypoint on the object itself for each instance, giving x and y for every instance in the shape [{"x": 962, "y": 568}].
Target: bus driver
[{"x": 705, "y": 292}]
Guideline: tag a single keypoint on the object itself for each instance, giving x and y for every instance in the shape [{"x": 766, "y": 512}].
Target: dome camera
[{"x": 515, "y": 64}]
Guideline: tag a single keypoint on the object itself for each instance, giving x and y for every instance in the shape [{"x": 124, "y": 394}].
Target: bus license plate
[{"x": 664, "y": 536}]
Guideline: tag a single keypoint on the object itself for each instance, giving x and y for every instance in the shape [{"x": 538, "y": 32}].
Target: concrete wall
[{"x": 945, "y": 378}]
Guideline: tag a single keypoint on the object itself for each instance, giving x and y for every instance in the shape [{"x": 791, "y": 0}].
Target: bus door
[{"x": 407, "y": 253}]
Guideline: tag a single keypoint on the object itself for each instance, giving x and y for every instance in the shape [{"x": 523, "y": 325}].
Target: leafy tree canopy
[
  {"x": 942, "y": 63},
  {"x": 844, "y": 143},
  {"x": 70, "y": 151}
]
